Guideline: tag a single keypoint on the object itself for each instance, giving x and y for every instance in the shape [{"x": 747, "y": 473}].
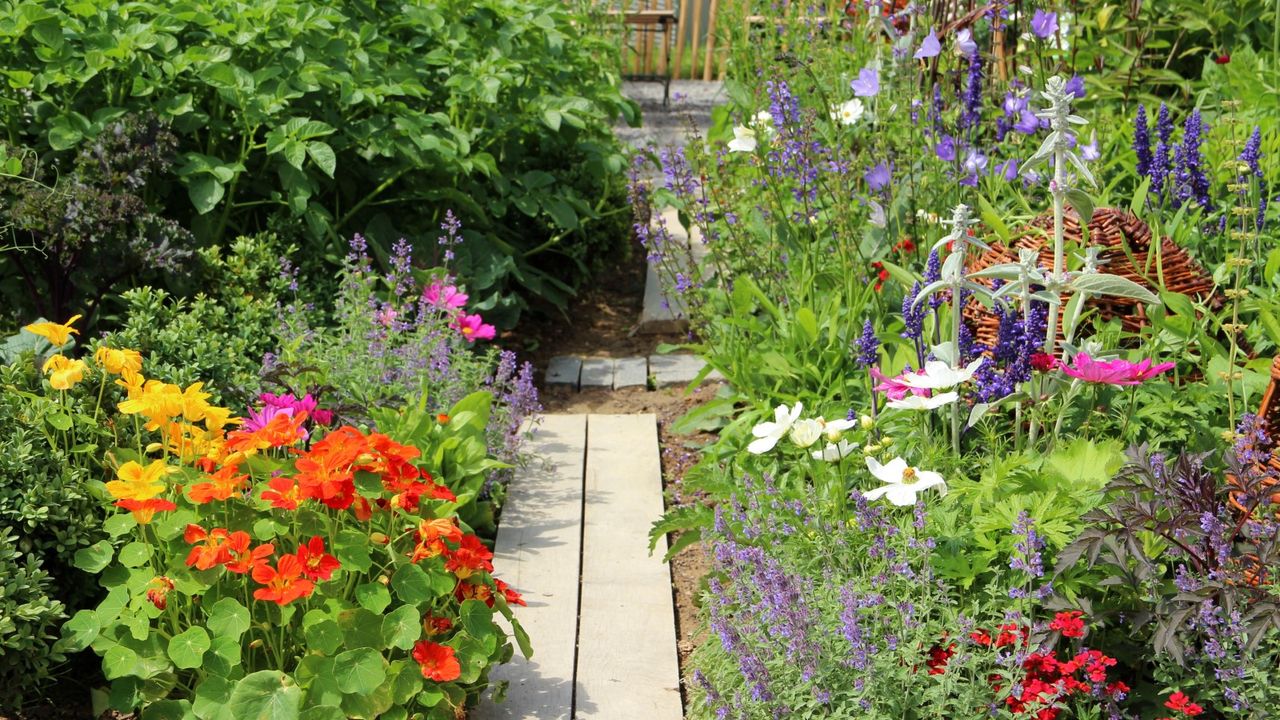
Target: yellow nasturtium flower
[
  {"x": 63, "y": 372},
  {"x": 118, "y": 361},
  {"x": 57, "y": 334},
  {"x": 138, "y": 483}
]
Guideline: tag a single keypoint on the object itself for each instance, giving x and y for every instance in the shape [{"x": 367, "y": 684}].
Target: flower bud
[{"x": 867, "y": 422}]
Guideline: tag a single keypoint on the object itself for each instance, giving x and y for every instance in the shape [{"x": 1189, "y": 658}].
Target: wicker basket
[{"x": 1111, "y": 230}]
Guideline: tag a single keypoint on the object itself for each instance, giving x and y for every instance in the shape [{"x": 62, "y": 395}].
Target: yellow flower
[
  {"x": 194, "y": 406},
  {"x": 57, "y": 335},
  {"x": 137, "y": 482},
  {"x": 131, "y": 381},
  {"x": 118, "y": 361},
  {"x": 64, "y": 372},
  {"x": 217, "y": 418},
  {"x": 156, "y": 401}
]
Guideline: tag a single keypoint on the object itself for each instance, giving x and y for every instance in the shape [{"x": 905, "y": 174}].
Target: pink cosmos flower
[
  {"x": 473, "y": 328},
  {"x": 893, "y": 387},
  {"x": 1113, "y": 372},
  {"x": 446, "y": 296},
  {"x": 295, "y": 405}
]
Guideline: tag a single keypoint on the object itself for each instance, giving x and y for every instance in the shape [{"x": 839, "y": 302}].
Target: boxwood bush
[{"x": 323, "y": 118}]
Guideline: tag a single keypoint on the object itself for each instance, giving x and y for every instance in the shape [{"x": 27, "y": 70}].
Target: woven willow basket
[{"x": 1114, "y": 231}]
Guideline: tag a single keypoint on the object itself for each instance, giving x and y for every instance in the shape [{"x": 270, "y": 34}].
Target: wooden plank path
[{"x": 574, "y": 540}]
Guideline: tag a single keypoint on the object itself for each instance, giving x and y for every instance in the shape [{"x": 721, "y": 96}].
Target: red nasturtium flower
[
  {"x": 438, "y": 661},
  {"x": 436, "y": 625},
  {"x": 283, "y": 583},
  {"x": 470, "y": 557},
  {"x": 145, "y": 510},
  {"x": 1070, "y": 624},
  {"x": 513, "y": 597},
  {"x": 158, "y": 591},
  {"x": 210, "y": 547},
  {"x": 316, "y": 563},
  {"x": 466, "y": 591},
  {"x": 241, "y": 559}
]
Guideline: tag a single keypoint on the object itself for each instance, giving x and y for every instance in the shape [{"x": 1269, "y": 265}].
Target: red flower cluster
[
  {"x": 438, "y": 662},
  {"x": 293, "y": 576},
  {"x": 1009, "y": 634},
  {"x": 1049, "y": 681},
  {"x": 881, "y": 274},
  {"x": 1178, "y": 702},
  {"x": 1070, "y": 624}
]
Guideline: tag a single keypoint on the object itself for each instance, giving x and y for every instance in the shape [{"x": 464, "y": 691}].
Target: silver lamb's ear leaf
[
  {"x": 928, "y": 290},
  {"x": 1004, "y": 271},
  {"x": 1042, "y": 155},
  {"x": 1081, "y": 168},
  {"x": 1071, "y": 316},
  {"x": 1107, "y": 284},
  {"x": 979, "y": 409},
  {"x": 1046, "y": 297},
  {"x": 953, "y": 266},
  {"x": 1007, "y": 289}
]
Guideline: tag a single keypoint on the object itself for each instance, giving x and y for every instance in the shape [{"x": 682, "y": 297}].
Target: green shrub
[{"x": 322, "y": 116}]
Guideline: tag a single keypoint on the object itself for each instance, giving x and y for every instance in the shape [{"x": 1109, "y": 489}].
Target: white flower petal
[
  {"x": 900, "y": 495},
  {"x": 763, "y": 445},
  {"x": 764, "y": 429},
  {"x": 919, "y": 402},
  {"x": 890, "y": 473}
]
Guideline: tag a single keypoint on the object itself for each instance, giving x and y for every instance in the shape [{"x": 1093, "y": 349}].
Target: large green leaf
[
  {"x": 402, "y": 627},
  {"x": 266, "y": 695},
  {"x": 188, "y": 647},
  {"x": 360, "y": 671},
  {"x": 228, "y": 618}
]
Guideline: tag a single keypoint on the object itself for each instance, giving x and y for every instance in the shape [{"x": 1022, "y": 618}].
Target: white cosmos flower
[
  {"x": 806, "y": 432},
  {"x": 902, "y": 482},
  {"x": 849, "y": 113},
  {"x": 744, "y": 140},
  {"x": 769, "y": 433},
  {"x": 835, "y": 452},
  {"x": 938, "y": 375},
  {"x": 763, "y": 120},
  {"x": 920, "y": 402}
]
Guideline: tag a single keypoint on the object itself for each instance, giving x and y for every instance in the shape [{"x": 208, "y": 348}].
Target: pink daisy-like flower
[
  {"x": 473, "y": 328},
  {"x": 446, "y": 296},
  {"x": 895, "y": 388},
  {"x": 1117, "y": 372}
]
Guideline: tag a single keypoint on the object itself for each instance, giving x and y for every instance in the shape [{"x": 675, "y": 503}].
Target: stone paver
[
  {"x": 630, "y": 372},
  {"x": 597, "y": 373},
  {"x": 679, "y": 369},
  {"x": 564, "y": 370}
]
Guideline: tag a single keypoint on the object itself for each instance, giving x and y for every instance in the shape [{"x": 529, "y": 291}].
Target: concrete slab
[
  {"x": 597, "y": 373},
  {"x": 631, "y": 372},
  {"x": 564, "y": 370},
  {"x": 679, "y": 369},
  {"x": 660, "y": 315}
]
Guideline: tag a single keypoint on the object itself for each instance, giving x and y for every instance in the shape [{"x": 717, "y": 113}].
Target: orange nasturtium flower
[
  {"x": 244, "y": 560},
  {"x": 283, "y": 430},
  {"x": 438, "y": 661},
  {"x": 283, "y": 583},
  {"x": 283, "y": 493},
  {"x": 316, "y": 563},
  {"x": 508, "y": 592},
  {"x": 57, "y": 334},
  {"x": 210, "y": 547},
  {"x": 145, "y": 510},
  {"x": 431, "y": 536},
  {"x": 138, "y": 483},
  {"x": 117, "y": 362},
  {"x": 64, "y": 372},
  {"x": 470, "y": 557},
  {"x": 222, "y": 485}
]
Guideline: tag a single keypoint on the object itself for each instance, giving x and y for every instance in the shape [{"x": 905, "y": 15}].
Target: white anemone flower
[
  {"x": 769, "y": 433},
  {"x": 744, "y": 140},
  {"x": 835, "y": 428},
  {"x": 763, "y": 120},
  {"x": 920, "y": 402},
  {"x": 902, "y": 482},
  {"x": 835, "y": 452},
  {"x": 806, "y": 432},
  {"x": 849, "y": 113},
  {"x": 938, "y": 375}
]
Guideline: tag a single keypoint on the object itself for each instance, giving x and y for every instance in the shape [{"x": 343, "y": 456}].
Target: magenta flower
[
  {"x": 895, "y": 388},
  {"x": 292, "y": 405},
  {"x": 446, "y": 296},
  {"x": 473, "y": 328},
  {"x": 259, "y": 419},
  {"x": 1113, "y": 372}
]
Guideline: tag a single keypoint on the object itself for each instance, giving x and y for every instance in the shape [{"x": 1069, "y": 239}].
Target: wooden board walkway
[{"x": 574, "y": 540}]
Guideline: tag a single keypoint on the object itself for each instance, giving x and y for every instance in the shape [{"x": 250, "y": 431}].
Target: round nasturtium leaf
[
  {"x": 228, "y": 618},
  {"x": 266, "y": 695},
  {"x": 373, "y": 596},
  {"x": 80, "y": 631},
  {"x": 321, "y": 632},
  {"x": 360, "y": 671},
  {"x": 402, "y": 627},
  {"x": 94, "y": 558},
  {"x": 135, "y": 554},
  {"x": 412, "y": 585},
  {"x": 188, "y": 647}
]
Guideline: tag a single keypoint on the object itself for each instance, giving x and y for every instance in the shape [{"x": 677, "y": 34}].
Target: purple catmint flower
[
  {"x": 932, "y": 274},
  {"x": 1142, "y": 141},
  {"x": 452, "y": 237},
  {"x": 1044, "y": 24},
  {"x": 867, "y": 347},
  {"x": 1027, "y": 549},
  {"x": 913, "y": 315},
  {"x": 1252, "y": 157},
  {"x": 867, "y": 83}
]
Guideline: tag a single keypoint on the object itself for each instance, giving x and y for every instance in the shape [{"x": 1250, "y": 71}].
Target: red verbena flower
[
  {"x": 1181, "y": 703},
  {"x": 1070, "y": 624}
]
